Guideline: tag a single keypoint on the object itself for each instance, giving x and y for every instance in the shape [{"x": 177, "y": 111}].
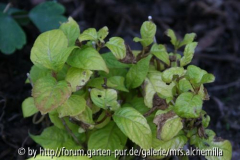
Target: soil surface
[{"x": 216, "y": 23}]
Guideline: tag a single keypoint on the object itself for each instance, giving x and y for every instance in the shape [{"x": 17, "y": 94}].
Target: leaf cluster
[{"x": 152, "y": 97}]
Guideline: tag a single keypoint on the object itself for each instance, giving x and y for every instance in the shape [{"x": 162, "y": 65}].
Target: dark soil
[{"x": 216, "y": 23}]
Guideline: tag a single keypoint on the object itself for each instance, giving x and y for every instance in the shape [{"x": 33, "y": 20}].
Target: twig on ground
[
  {"x": 120, "y": 27},
  {"x": 225, "y": 86},
  {"x": 4, "y": 138},
  {"x": 220, "y": 105},
  {"x": 4, "y": 101},
  {"x": 218, "y": 58},
  {"x": 25, "y": 140},
  {"x": 7, "y": 7}
]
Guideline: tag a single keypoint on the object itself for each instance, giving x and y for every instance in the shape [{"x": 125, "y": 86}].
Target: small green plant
[
  {"x": 150, "y": 97},
  {"x": 45, "y": 16}
]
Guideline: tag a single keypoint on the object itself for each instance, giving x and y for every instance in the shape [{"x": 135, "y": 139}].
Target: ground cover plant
[
  {"x": 149, "y": 98},
  {"x": 44, "y": 16}
]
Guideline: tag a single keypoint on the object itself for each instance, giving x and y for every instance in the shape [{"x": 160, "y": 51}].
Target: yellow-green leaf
[
  {"x": 184, "y": 86},
  {"x": 176, "y": 142},
  {"x": 170, "y": 33},
  {"x": 168, "y": 125},
  {"x": 134, "y": 126},
  {"x": 105, "y": 98},
  {"x": 154, "y": 84},
  {"x": 117, "y": 82},
  {"x": 197, "y": 76},
  {"x": 71, "y": 30},
  {"x": 108, "y": 138},
  {"x": 78, "y": 77},
  {"x": 54, "y": 117},
  {"x": 205, "y": 119},
  {"x": 117, "y": 47},
  {"x": 88, "y": 34},
  {"x": 188, "y": 105},
  {"x": 62, "y": 73},
  {"x": 74, "y": 106},
  {"x": 169, "y": 74},
  {"x": 188, "y": 53},
  {"x": 50, "y": 50},
  {"x": 137, "y": 103},
  {"x": 161, "y": 53},
  {"x": 188, "y": 38},
  {"x": 87, "y": 58},
  {"x": 137, "y": 73},
  {"x": 202, "y": 92},
  {"x": 211, "y": 143},
  {"x": 37, "y": 73},
  {"x": 149, "y": 92},
  {"x": 49, "y": 94},
  {"x": 28, "y": 107},
  {"x": 148, "y": 31},
  {"x": 86, "y": 117},
  {"x": 53, "y": 138},
  {"x": 102, "y": 33},
  {"x": 112, "y": 61}
]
